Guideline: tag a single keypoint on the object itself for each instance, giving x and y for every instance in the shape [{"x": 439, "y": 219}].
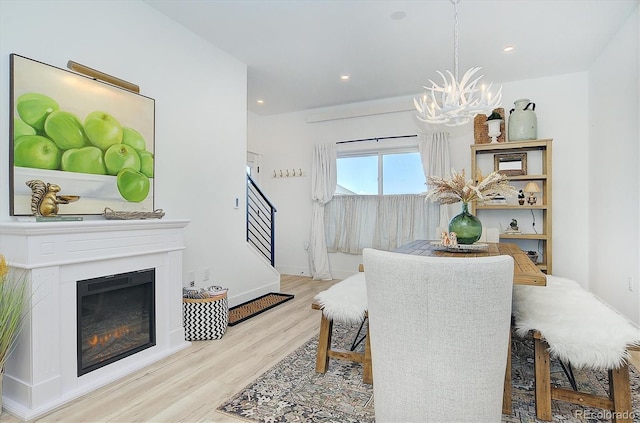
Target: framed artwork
[
  {"x": 510, "y": 164},
  {"x": 93, "y": 140}
]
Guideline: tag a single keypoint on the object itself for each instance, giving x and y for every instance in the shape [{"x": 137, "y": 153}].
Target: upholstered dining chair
[{"x": 439, "y": 331}]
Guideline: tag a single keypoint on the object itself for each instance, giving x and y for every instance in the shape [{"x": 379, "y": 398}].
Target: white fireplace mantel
[{"x": 41, "y": 373}]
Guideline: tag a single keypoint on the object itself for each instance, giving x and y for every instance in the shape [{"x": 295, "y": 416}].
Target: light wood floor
[{"x": 190, "y": 385}]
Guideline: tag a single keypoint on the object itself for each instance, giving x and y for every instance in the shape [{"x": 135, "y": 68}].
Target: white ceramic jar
[{"x": 523, "y": 123}]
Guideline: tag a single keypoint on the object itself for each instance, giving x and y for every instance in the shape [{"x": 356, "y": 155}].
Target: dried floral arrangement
[{"x": 457, "y": 188}]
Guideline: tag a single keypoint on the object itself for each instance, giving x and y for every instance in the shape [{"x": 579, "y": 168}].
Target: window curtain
[
  {"x": 434, "y": 152},
  {"x": 385, "y": 222},
  {"x": 323, "y": 185}
]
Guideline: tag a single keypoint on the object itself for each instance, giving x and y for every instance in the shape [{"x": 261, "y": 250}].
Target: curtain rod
[{"x": 377, "y": 139}]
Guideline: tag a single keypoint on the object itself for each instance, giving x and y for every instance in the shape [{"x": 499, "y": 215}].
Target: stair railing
[{"x": 260, "y": 221}]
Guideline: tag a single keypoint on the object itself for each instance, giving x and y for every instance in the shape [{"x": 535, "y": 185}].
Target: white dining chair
[
  {"x": 490, "y": 235},
  {"x": 439, "y": 332}
]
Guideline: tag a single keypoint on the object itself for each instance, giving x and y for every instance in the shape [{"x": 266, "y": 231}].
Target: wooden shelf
[
  {"x": 527, "y": 178},
  {"x": 523, "y": 236},
  {"x": 510, "y": 207},
  {"x": 511, "y": 146},
  {"x": 542, "y": 158}
]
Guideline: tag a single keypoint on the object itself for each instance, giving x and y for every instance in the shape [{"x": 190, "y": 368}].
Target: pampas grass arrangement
[{"x": 457, "y": 188}]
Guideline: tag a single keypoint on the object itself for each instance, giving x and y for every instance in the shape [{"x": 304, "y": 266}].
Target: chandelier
[{"x": 457, "y": 101}]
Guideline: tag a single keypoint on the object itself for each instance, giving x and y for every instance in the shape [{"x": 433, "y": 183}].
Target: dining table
[{"x": 525, "y": 272}]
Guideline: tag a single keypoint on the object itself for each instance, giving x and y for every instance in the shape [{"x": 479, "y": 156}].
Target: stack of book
[{"x": 497, "y": 199}]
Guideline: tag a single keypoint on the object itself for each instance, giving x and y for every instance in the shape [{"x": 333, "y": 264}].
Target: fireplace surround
[{"x": 42, "y": 372}]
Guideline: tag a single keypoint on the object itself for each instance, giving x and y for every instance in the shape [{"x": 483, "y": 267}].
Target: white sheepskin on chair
[
  {"x": 579, "y": 328},
  {"x": 345, "y": 301}
]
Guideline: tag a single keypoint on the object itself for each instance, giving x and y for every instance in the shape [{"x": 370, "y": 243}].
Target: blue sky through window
[{"x": 402, "y": 174}]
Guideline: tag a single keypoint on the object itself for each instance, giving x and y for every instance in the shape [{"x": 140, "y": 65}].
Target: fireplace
[
  {"x": 42, "y": 372},
  {"x": 116, "y": 318}
]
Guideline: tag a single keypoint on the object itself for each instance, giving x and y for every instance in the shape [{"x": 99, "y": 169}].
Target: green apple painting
[{"x": 93, "y": 139}]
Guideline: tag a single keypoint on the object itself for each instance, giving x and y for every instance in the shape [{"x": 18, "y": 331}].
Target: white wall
[
  {"x": 286, "y": 141},
  {"x": 561, "y": 107},
  {"x": 200, "y": 143},
  {"x": 614, "y": 177},
  {"x": 594, "y": 119}
]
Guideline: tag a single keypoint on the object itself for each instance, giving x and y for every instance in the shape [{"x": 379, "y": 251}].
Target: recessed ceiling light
[
  {"x": 509, "y": 49},
  {"x": 398, "y": 15},
  {"x": 260, "y": 101},
  {"x": 344, "y": 77}
]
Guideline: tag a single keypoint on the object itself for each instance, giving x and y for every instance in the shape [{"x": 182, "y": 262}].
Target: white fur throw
[
  {"x": 579, "y": 328},
  {"x": 345, "y": 301}
]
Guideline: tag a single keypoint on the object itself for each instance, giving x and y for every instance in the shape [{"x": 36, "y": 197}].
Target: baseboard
[{"x": 254, "y": 293}]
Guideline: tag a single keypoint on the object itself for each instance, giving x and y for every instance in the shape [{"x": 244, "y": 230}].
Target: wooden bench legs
[
  {"x": 506, "y": 392},
  {"x": 542, "y": 367},
  {"x": 618, "y": 402},
  {"x": 325, "y": 352},
  {"x": 367, "y": 371},
  {"x": 324, "y": 345}
]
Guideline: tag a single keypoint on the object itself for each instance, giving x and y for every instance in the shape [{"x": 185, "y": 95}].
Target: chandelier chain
[
  {"x": 456, "y": 101},
  {"x": 455, "y": 38}
]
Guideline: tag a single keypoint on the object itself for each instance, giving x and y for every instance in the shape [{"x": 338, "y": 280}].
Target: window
[
  {"x": 377, "y": 202},
  {"x": 380, "y": 173}
]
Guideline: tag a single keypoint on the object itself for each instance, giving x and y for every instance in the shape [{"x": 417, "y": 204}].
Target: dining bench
[
  {"x": 570, "y": 324},
  {"x": 345, "y": 302}
]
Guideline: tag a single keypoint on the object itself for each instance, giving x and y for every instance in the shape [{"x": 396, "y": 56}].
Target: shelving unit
[{"x": 538, "y": 160}]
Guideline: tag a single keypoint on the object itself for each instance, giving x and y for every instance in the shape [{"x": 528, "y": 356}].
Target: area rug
[
  {"x": 252, "y": 308},
  {"x": 292, "y": 391}
]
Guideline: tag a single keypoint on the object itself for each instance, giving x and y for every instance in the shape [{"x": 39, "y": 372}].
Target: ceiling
[{"x": 296, "y": 50}]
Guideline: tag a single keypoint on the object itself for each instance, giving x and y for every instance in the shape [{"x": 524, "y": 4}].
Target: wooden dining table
[{"x": 525, "y": 272}]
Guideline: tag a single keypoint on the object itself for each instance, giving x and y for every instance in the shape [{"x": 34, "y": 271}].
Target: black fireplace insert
[{"x": 115, "y": 319}]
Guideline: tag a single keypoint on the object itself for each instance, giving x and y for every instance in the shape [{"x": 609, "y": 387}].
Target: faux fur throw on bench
[
  {"x": 579, "y": 328},
  {"x": 345, "y": 301}
]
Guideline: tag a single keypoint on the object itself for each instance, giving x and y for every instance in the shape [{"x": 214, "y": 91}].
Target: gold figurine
[{"x": 45, "y": 198}]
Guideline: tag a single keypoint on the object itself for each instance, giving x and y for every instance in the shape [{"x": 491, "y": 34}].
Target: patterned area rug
[
  {"x": 245, "y": 311},
  {"x": 292, "y": 391}
]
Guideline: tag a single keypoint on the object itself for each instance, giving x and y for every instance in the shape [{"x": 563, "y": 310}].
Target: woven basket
[{"x": 205, "y": 318}]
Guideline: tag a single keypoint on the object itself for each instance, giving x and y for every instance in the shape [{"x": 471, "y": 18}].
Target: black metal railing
[{"x": 260, "y": 221}]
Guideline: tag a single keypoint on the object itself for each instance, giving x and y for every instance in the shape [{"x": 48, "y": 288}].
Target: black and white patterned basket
[{"x": 205, "y": 318}]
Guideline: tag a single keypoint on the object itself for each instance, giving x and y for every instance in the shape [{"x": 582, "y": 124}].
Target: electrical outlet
[
  {"x": 192, "y": 283},
  {"x": 192, "y": 278},
  {"x": 206, "y": 274}
]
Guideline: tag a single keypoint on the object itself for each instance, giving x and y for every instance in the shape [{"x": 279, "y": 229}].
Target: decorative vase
[
  {"x": 523, "y": 123},
  {"x": 493, "y": 129},
  {"x": 467, "y": 227}
]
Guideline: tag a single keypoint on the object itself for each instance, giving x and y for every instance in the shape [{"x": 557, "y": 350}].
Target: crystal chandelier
[{"x": 457, "y": 101}]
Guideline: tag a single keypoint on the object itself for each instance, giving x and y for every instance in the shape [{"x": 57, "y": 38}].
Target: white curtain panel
[
  {"x": 323, "y": 185},
  {"x": 385, "y": 222},
  {"x": 434, "y": 152}
]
